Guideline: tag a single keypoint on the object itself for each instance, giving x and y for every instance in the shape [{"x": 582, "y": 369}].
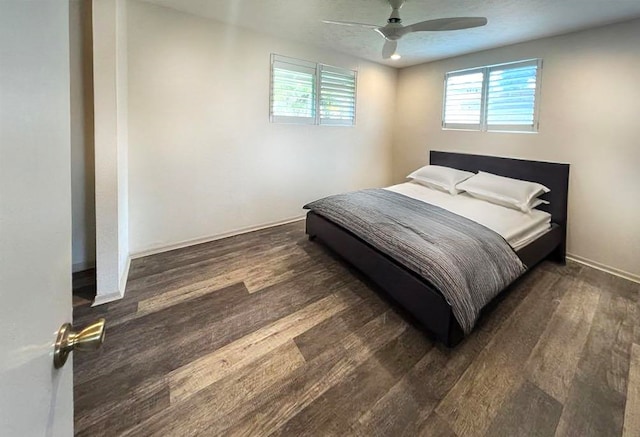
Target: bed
[{"x": 533, "y": 243}]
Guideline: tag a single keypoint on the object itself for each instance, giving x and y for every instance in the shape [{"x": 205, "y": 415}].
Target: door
[{"x": 35, "y": 217}]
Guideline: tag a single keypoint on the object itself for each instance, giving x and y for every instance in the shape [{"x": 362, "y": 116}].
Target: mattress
[{"x": 516, "y": 227}]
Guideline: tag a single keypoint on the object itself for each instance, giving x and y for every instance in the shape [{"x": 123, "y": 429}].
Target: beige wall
[
  {"x": 588, "y": 117},
  {"x": 111, "y": 149},
  {"x": 122, "y": 134},
  {"x": 204, "y": 160},
  {"x": 82, "y": 160}
]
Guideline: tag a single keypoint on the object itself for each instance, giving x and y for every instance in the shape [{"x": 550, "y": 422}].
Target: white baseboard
[
  {"x": 106, "y": 298},
  {"x": 167, "y": 247},
  {"x": 602, "y": 267},
  {"x": 125, "y": 275},
  {"x": 101, "y": 299}
]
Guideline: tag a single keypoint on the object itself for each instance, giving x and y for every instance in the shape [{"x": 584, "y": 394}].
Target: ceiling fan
[{"x": 394, "y": 30}]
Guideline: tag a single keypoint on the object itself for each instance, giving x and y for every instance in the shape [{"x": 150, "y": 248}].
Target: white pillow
[
  {"x": 538, "y": 202},
  {"x": 512, "y": 193},
  {"x": 440, "y": 178}
]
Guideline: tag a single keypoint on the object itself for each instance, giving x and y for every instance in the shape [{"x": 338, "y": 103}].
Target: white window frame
[
  {"x": 302, "y": 65},
  {"x": 486, "y": 72}
]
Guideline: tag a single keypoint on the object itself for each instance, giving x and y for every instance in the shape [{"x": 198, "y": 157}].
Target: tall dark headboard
[{"x": 553, "y": 175}]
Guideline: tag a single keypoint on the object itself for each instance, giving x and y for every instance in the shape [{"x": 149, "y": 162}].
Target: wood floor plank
[
  {"x": 221, "y": 251},
  {"x": 312, "y": 371},
  {"x": 404, "y": 409},
  {"x": 189, "y": 379},
  {"x": 611, "y": 284},
  {"x": 324, "y": 335},
  {"x": 189, "y": 342},
  {"x": 115, "y": 313},
  {"x": 357, "y": 367},
  {"x": 217, "y": 400},
  {"x": 255, "y": 277},
  {"x": 186, "y": 292},
  {"x": 137, "y": 341},
  {"x": 199, "y": 326},
  {"x": 475, "y": 400},
  {"x": 632, "y": 409},
  {"x": 553, "y": 362},
  {"x": 530, "y": 412},
  {"x": 434, "y": 426},
  {"x": 596, "y": 398},
  {"x": 571, "y": 268},
  {"x": 342, "y": 404},
  {"x": 114, "y": 416},
  {"x": 276, "y": 409},
  {"x": 275, "y": 268},
  {"x": 168, "y": 280}
]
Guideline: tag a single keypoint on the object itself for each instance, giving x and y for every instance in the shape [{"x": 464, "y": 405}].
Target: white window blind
[
  {"x": 293, "y": 91},
  {"x": 308, "y": 93},
  {"x": 511, "y": 97},
  {"x": 495, "y": 98},
  {"x": 463, "y": 100},
  {"x": 337, "y": 96}
]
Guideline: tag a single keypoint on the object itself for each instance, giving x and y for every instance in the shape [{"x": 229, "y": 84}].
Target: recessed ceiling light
[{"x": 395, "y": 56}]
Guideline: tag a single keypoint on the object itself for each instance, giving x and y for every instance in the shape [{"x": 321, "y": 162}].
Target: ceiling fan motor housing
[
  {"x": 394, "y": 22},
  {"x": 392, "y": 31}
]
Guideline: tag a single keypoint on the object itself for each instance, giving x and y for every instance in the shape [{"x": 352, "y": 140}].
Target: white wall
[
  {"x": 122, "y": 120},
  {"x": 111, "y": 177},
  {"x": 204, "y": 160},
  {"x": 588, "y": 117},
  {"x": 82, "y": 159}
]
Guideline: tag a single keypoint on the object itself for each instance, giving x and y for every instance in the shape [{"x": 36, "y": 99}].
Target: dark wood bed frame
[{"x": 415, "y": 294}]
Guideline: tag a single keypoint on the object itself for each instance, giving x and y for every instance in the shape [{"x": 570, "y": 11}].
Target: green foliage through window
[
  {"x": 293, "y": 93},
  {"x": 310, "y": 93}
]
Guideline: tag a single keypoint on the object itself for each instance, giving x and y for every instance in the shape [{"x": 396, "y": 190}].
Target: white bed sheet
[{"x": 517, "y": 227}]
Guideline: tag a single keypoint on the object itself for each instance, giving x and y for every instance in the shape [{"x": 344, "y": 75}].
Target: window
[
  {"x": 495, "y": 98},
  {"x": 293, "y": 91},
  {"x": 463, "y": 99},
  {"x": 337, "y": 96},
  {"x": 308, "y": 93}
]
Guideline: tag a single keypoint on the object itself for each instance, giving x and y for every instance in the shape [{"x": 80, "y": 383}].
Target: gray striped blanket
[{"x": 467, "y": 262}]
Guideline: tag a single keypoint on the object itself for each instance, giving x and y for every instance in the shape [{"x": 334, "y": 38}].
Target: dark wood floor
[
  {"x": 84, "y": 287},
  {"x": 268, "y": 333}
]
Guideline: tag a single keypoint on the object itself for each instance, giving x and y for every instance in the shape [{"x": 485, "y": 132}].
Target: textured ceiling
[{"x": 510, "y": 21}]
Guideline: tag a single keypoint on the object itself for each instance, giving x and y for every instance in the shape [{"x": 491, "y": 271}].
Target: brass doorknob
[{"x": 89, "y": 338}]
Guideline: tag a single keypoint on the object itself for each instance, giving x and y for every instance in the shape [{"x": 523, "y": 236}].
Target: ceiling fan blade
[
  {"x": 441, "y": 24},
  {"x": 389, "y": 49},
  {"x": 349, "y": 23}
]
